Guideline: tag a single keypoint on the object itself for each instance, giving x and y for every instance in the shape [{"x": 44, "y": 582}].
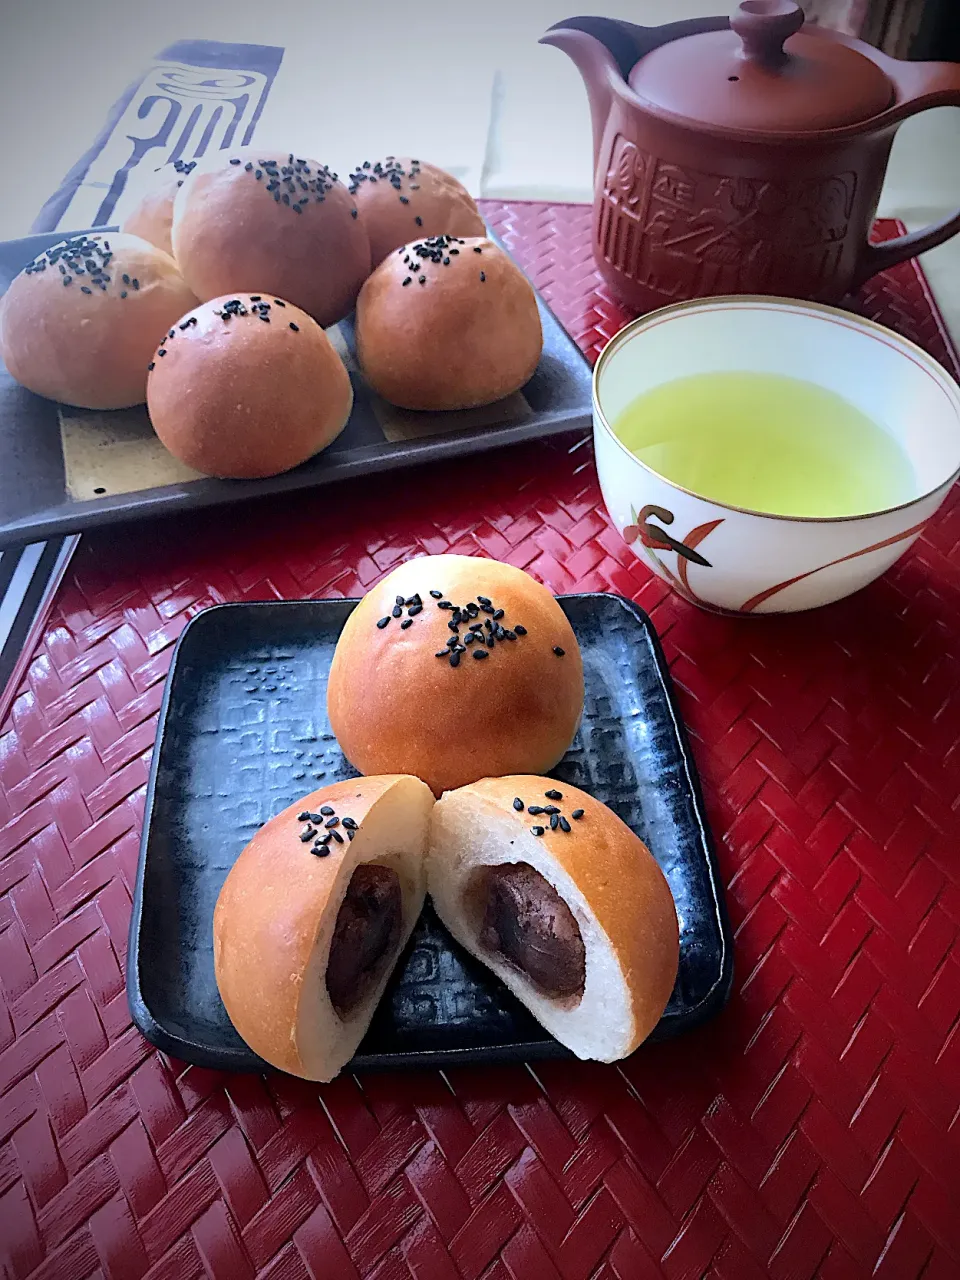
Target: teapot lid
[{"x": 763, "y": 75}]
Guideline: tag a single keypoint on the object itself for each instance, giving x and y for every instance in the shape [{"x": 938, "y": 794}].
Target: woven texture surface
[{"x": 810, "y": 1131}]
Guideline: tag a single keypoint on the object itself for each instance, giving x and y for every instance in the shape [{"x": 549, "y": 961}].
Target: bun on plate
[
  {"x": 402, "y": 200},
  {"x": 259, "y": 221},
  {"x": 247, "y": 385},
  {"x": 558, "y": 897},
  {"x": 447, "y": 323},
  {"x": 80, "y": 323},
  {"x": 455, "y": 668},
  {"x": 312, "y": 918}
]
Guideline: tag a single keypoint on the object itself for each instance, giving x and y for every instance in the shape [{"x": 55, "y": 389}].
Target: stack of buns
[
  {"x": 444, "y": 318},
  {"x": 456, "y": 683}
]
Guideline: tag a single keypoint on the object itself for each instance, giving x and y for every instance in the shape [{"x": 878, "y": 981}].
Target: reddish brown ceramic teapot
[{"x": 745, "y": 155}]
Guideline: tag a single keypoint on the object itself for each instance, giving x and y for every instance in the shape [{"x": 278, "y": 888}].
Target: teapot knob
[{"x": 763, "y": 27}]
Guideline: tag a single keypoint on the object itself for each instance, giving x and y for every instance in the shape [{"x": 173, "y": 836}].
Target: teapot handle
[{"x": 920, "y": 85}]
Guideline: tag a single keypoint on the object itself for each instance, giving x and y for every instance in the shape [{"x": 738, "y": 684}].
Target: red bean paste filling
[
  {"x": 529, "y": 924},
  {"x": 366, "y": 935}
]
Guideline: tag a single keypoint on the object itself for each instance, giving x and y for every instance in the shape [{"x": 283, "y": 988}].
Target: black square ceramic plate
[{"x": 243, "y": 733}]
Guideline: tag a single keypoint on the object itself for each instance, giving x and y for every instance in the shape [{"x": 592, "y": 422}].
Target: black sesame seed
[
  {"x": 436, "y": 594},
  {"x": 399, "y": 600},
  {"x": 554, "y": 795},
  {"x": 151, "y": 366},
  {"x": 537, "y": 831},
  {"x": 278, "y": 302},
  {"x": 327, "y": 810},
  {"x": 383, "y": 623},
  {"x": 479, "y": 653},
  {"x": 332, "y": 822},
  {"x": 353, "y": 213},
  {"x": 125, "y": 278},
  {"x": 409, "y": 280},
  {"x": 444, "y": 604},
  {"x": 161, "y": 352},
  {"x": 477, "y": 249},
  {"x": 351, "y": 833},
  {"x": 234, "y": 161},
  {"x": 550, "y": 808},
  {"x": 518, "y": 804},
  {"x": 558, "y": 651},
  {"x": 303, "y": 817},
  {"x": 482, "y": 277},
  {"x": 509, "y": 635},
  {"x": 255, "y": 297},
  {"x": 350, "y": 823},
  {"x": 498, "y": 613},
  {"x": 404, "y": 200},
  {"x": 535, "y": 810},
  {"x": 407, "y": 622},
  {"x": 554, "y": 821},
  {"x": 442, "y": 654},
  {"x": 452, "y": 642},
  {"x": 247, "y": 168},
  {"x": 470, "y": 637},
  {"x": 454, "y": 659},
  {"x": 84, "y": 289},
  {"x": 337, "y": 836},
  {"x": 294, "y": 327},
  {"x": 316, "y": 817},
  {"x": 422, "y": 279},
  {"x": 396, "y": 611},
  {"x": 521, "y": 631},
  {"x": 472, "y": 609},
  {"x": 415, "y": 609},
  {"x": 325, "y": 839},
  {"x": 564, "y": 824},
  {"x": 484, "y": 600},
  {"x": 135, "y": 283},
  {"x": 321, "y": 851},
  {"x": 454, "y": 627},
  {"x": 308, "y": 835},
  {"x": 491, "y": 640},
  {"x": 67, "y": 280},
  {"x": 419, "y": 221},
  {"x": 577, "y": 813}
]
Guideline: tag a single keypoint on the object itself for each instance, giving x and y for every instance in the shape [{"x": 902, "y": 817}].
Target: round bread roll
[
  {"x": 448, "y": 323},
  {"x": 455, "y": 668},
  {"x": 311, "y": 920},
  {"x": 270, "y": 223},
  {"x": 247, "y": 386},
  {"x": 80, "y": 323},
  {"x": 152, "y": 216},
  {"x": 568, "y": 908},
  {"x": 401, "y": 200}
]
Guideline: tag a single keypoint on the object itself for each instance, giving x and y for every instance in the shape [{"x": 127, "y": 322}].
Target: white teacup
[{"x": 742, "y": 561}]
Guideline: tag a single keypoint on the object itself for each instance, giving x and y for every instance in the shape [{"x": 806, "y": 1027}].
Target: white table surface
[{"x": 462, "y": 85}]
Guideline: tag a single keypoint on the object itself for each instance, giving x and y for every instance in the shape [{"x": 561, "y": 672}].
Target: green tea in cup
[{"x": 768, "y": 443}]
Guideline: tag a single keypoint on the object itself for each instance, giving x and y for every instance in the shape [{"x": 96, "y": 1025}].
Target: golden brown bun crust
[
  {"x": 401, "y": 200},
  {"x": 621, "y": 882},
  {"x": 229, "y": 234},
  {"x": 468, "y": 335},
  {"x": 236, "y": 396},
  {"x": 396, "y": 707},
  {"x": 91, "y": 348},
  {"x": 265, "y": 921}
]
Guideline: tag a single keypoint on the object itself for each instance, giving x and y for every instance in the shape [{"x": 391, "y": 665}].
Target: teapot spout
[
  {"x": 597, "y": 64},
  {"x": 605, "y": 51}
]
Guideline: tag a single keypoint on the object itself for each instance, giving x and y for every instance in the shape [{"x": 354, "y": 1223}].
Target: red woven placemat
[{"x": 810, "y": 1131}]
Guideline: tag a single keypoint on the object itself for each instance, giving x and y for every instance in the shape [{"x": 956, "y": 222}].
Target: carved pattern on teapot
[{"x": 684, "y": 233}]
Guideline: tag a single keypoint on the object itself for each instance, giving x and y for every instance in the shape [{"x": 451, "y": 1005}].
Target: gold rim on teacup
[{"x": 748, "y": 301}]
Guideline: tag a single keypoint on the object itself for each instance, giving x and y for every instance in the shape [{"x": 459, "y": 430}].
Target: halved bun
[
  {"x": 281, "y": 919},
  {"x": 401, "y": 700},
  {"x": 588, "y": 881}
]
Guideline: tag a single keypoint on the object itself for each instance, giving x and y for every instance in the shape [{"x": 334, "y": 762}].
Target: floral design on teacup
[{"x": 652, "y": 538}]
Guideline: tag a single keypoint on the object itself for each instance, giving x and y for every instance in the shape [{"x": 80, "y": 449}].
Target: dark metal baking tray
[
  {"x": 243, "y": 733},
  {"x": 34, "y": 501}
]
